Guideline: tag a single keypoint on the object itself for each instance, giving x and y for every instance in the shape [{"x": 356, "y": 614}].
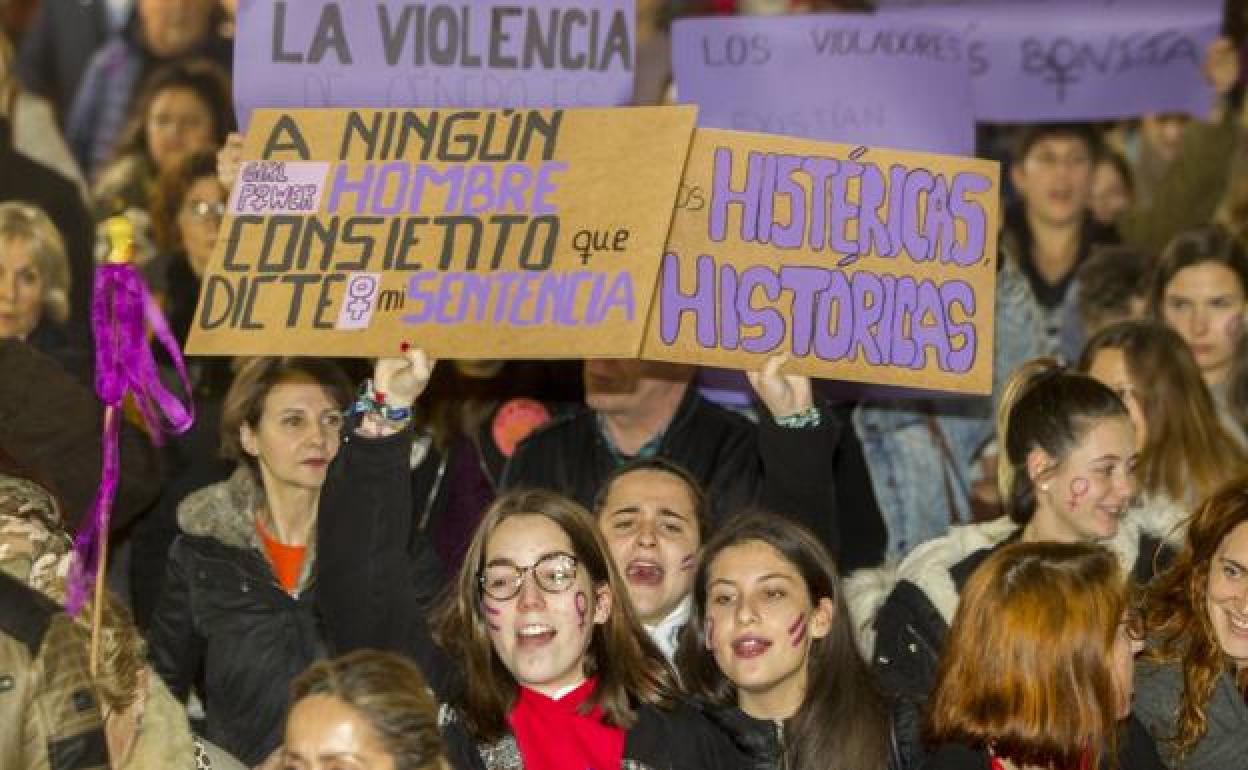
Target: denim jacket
[{"x": 906, "y": 460}]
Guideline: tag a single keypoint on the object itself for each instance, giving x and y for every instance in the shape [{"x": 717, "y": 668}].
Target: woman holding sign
[{"x": 560, "y": 673}]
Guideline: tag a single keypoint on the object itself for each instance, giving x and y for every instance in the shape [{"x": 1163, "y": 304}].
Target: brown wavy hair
[
  {"x": 628, "y": 665},
  {"x": 1047, "y": 615},
  {"x": 1175, "y": 615},
  {"x": 1187, "y": 454},
  {"x": 391, "y": 695}
]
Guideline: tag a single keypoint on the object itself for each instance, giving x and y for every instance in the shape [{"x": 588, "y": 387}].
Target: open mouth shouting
[
  {"x": 642, "y": 572},
  {"x": 750, "y": 646}
]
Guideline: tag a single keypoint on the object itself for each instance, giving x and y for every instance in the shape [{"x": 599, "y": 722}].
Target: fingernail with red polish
[{"x": 405, "y": 346}]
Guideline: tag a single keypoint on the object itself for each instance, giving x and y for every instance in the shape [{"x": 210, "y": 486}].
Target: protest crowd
[{"x": 1005, "y": 534}]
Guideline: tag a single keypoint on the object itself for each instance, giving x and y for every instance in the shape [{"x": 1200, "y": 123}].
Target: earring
[{"x": 1044, "y": 487}]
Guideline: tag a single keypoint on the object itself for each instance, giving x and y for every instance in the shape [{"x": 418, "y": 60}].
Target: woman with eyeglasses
[{"x": 558, "y": 671}]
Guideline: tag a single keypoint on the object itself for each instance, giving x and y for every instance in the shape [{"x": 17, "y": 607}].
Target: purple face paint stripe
[
  {"x": 688, "y": 562},
  {"x": 1078, "y": 489},
  {"x": 798, "y": 628},
  {"x": 582, "y": 607}
]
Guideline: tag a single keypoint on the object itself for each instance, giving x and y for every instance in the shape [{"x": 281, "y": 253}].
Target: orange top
[{"x": 287, "y": 560}]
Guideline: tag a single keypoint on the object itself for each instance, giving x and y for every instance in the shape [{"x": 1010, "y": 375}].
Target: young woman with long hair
[
  {"x": 551, "y": 667},
  {"x": 1037, "y": 670},
  {"x": 1185, "y": 452},
  {"x": 1200, "y": 289},
  {"x": 1068, "y": 459},
  {"x": 1192, "y": 679},
  {"x": 770, "y": 649}
]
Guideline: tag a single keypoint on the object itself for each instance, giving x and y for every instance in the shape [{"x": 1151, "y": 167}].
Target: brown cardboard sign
[
  {"x": 471, "y": 233},
  {"x": 862, "y": 264}
]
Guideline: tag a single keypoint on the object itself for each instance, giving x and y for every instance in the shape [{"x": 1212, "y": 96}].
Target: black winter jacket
[
  {"x": 910, "y": 630},
  {"x": 222, "y": 613},
  {"x": 762, "y": 740},
  {"x": 788, "y": 470},
  {"x": 378, "y": 580}
]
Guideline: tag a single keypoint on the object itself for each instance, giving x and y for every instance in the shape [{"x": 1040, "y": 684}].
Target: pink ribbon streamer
[{"x": 122, "y": 312}]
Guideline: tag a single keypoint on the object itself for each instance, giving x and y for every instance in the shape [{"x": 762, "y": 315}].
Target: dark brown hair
[
  {"x": 628, "y": 665},
  {"x": 391, "y": 695},
  {"x": 1027, "y": 667},
  {"x": 202, "y": 77},
  {"x": 1045, "y": 407},
  {"x": 244, "y": 402},
  {"x": 701, "y": 505},
  {"x": 842, "y": 723},
  {"x": 1109, "y": 279},
  {"x": 1176, "y": 617}
]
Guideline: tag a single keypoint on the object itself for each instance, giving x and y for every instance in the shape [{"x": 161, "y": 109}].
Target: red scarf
[{"x": 553, "y": 735}]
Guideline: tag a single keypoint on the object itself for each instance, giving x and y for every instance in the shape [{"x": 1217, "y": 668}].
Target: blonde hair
[{"x": 27, "y": 223}]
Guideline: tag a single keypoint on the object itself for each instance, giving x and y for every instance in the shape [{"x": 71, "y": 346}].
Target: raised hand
[
  {"x": 402, "y": 379},
  {"x": 784, "y": 395}
]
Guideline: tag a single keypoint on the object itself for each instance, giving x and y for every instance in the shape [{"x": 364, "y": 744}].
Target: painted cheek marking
[
  {"x": 1234, "y": 326},
  {"x": 1078, "y": 489},
  {"x": 493, "y": 612},
  {"x": 798, "y": 630},
  {"x": 582, "y": 607},
  {"x": 687, "y": 563}
]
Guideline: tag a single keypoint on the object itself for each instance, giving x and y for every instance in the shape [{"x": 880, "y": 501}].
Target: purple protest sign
[
  {"x": 848, "y": 78},
  {"x": 890, "y": 4},
  {"x": 1072, "y": 61},
  {"x": 335, "y": 53}
]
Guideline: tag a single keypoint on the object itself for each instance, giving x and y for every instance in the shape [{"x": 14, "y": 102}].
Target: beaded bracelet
[
  {"x": 810, "y": 417},
  {"x": 372, "y": 401}
]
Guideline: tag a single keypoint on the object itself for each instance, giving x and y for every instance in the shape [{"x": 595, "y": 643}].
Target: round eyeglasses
[
  {"x": 206, "y": 209},
  {"x": 554, "y": 573}
]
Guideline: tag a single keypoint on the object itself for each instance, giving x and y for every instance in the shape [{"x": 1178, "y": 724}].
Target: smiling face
[
  {"x": 296, "y": 436},
  {"x": 1227, "y": 596},
  {"x": 1109, "y": 366},
  {"x": 1204, "y": 303},
  {"x": 1054, "y": 179},
  {"x": 1083, "y": 497},
  {"x": 540, "y": 636},
  {"x": 323, "y": 733},
  {"x": 21, "y": 289},
  {"x": 760, "y": 624},
  {"x": 651, "y": 528}
]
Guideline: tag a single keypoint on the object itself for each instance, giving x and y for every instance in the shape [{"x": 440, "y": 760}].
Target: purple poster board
[
  {"x": 882, "y": 4},
  {"x": 1034, "y": 62},
  {"x": 849, "y": 78},
  {"x": 345, "y": 53}
]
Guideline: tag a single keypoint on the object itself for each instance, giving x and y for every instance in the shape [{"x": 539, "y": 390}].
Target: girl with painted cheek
[
  {"x": 1037, "y": 671},
  {"x": 1200, "y": 289},
  {"x": 1191, "y": 680},
  {"x": 652, "y": 514},
  {"x": 1067, "y": 475},
  {"x": 770, "y": 649},
  {"x": 562, "y": 674}
]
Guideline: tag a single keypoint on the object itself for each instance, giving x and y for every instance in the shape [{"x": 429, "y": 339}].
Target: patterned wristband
[{"x": 809, "y": 417}]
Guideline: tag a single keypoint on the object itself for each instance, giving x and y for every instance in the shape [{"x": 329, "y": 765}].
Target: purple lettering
[
  {"x": 972, "y": 214},
  {"x": 790, "y": 236},
  {"x": 769, "y": 319},
  {"x": 673, "y": 303},
  {"x": 805, "y": 283},
  {"x": 723, "y": 195},
  {"x": 867, "y": 310},
  {"x": 960, "y": 294},
  {"x": 342, "y": 185},
  {"x": 917, "y": 183},
  {"x": 829, "y": 345}
]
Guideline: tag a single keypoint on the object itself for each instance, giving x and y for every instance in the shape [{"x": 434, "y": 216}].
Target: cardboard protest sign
[
  {"x": 862, "y": 264},
  {"x": 391, "y": 53},
  {"x": 471, "y": 233},
  {"x": 1041, "y": 62},
  {"x": 850, "y": 78}
]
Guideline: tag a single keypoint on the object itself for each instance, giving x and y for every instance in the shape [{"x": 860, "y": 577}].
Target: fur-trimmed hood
[
  {"x": 226, "y": 512},
  {"x": 929, "y": 566}
]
